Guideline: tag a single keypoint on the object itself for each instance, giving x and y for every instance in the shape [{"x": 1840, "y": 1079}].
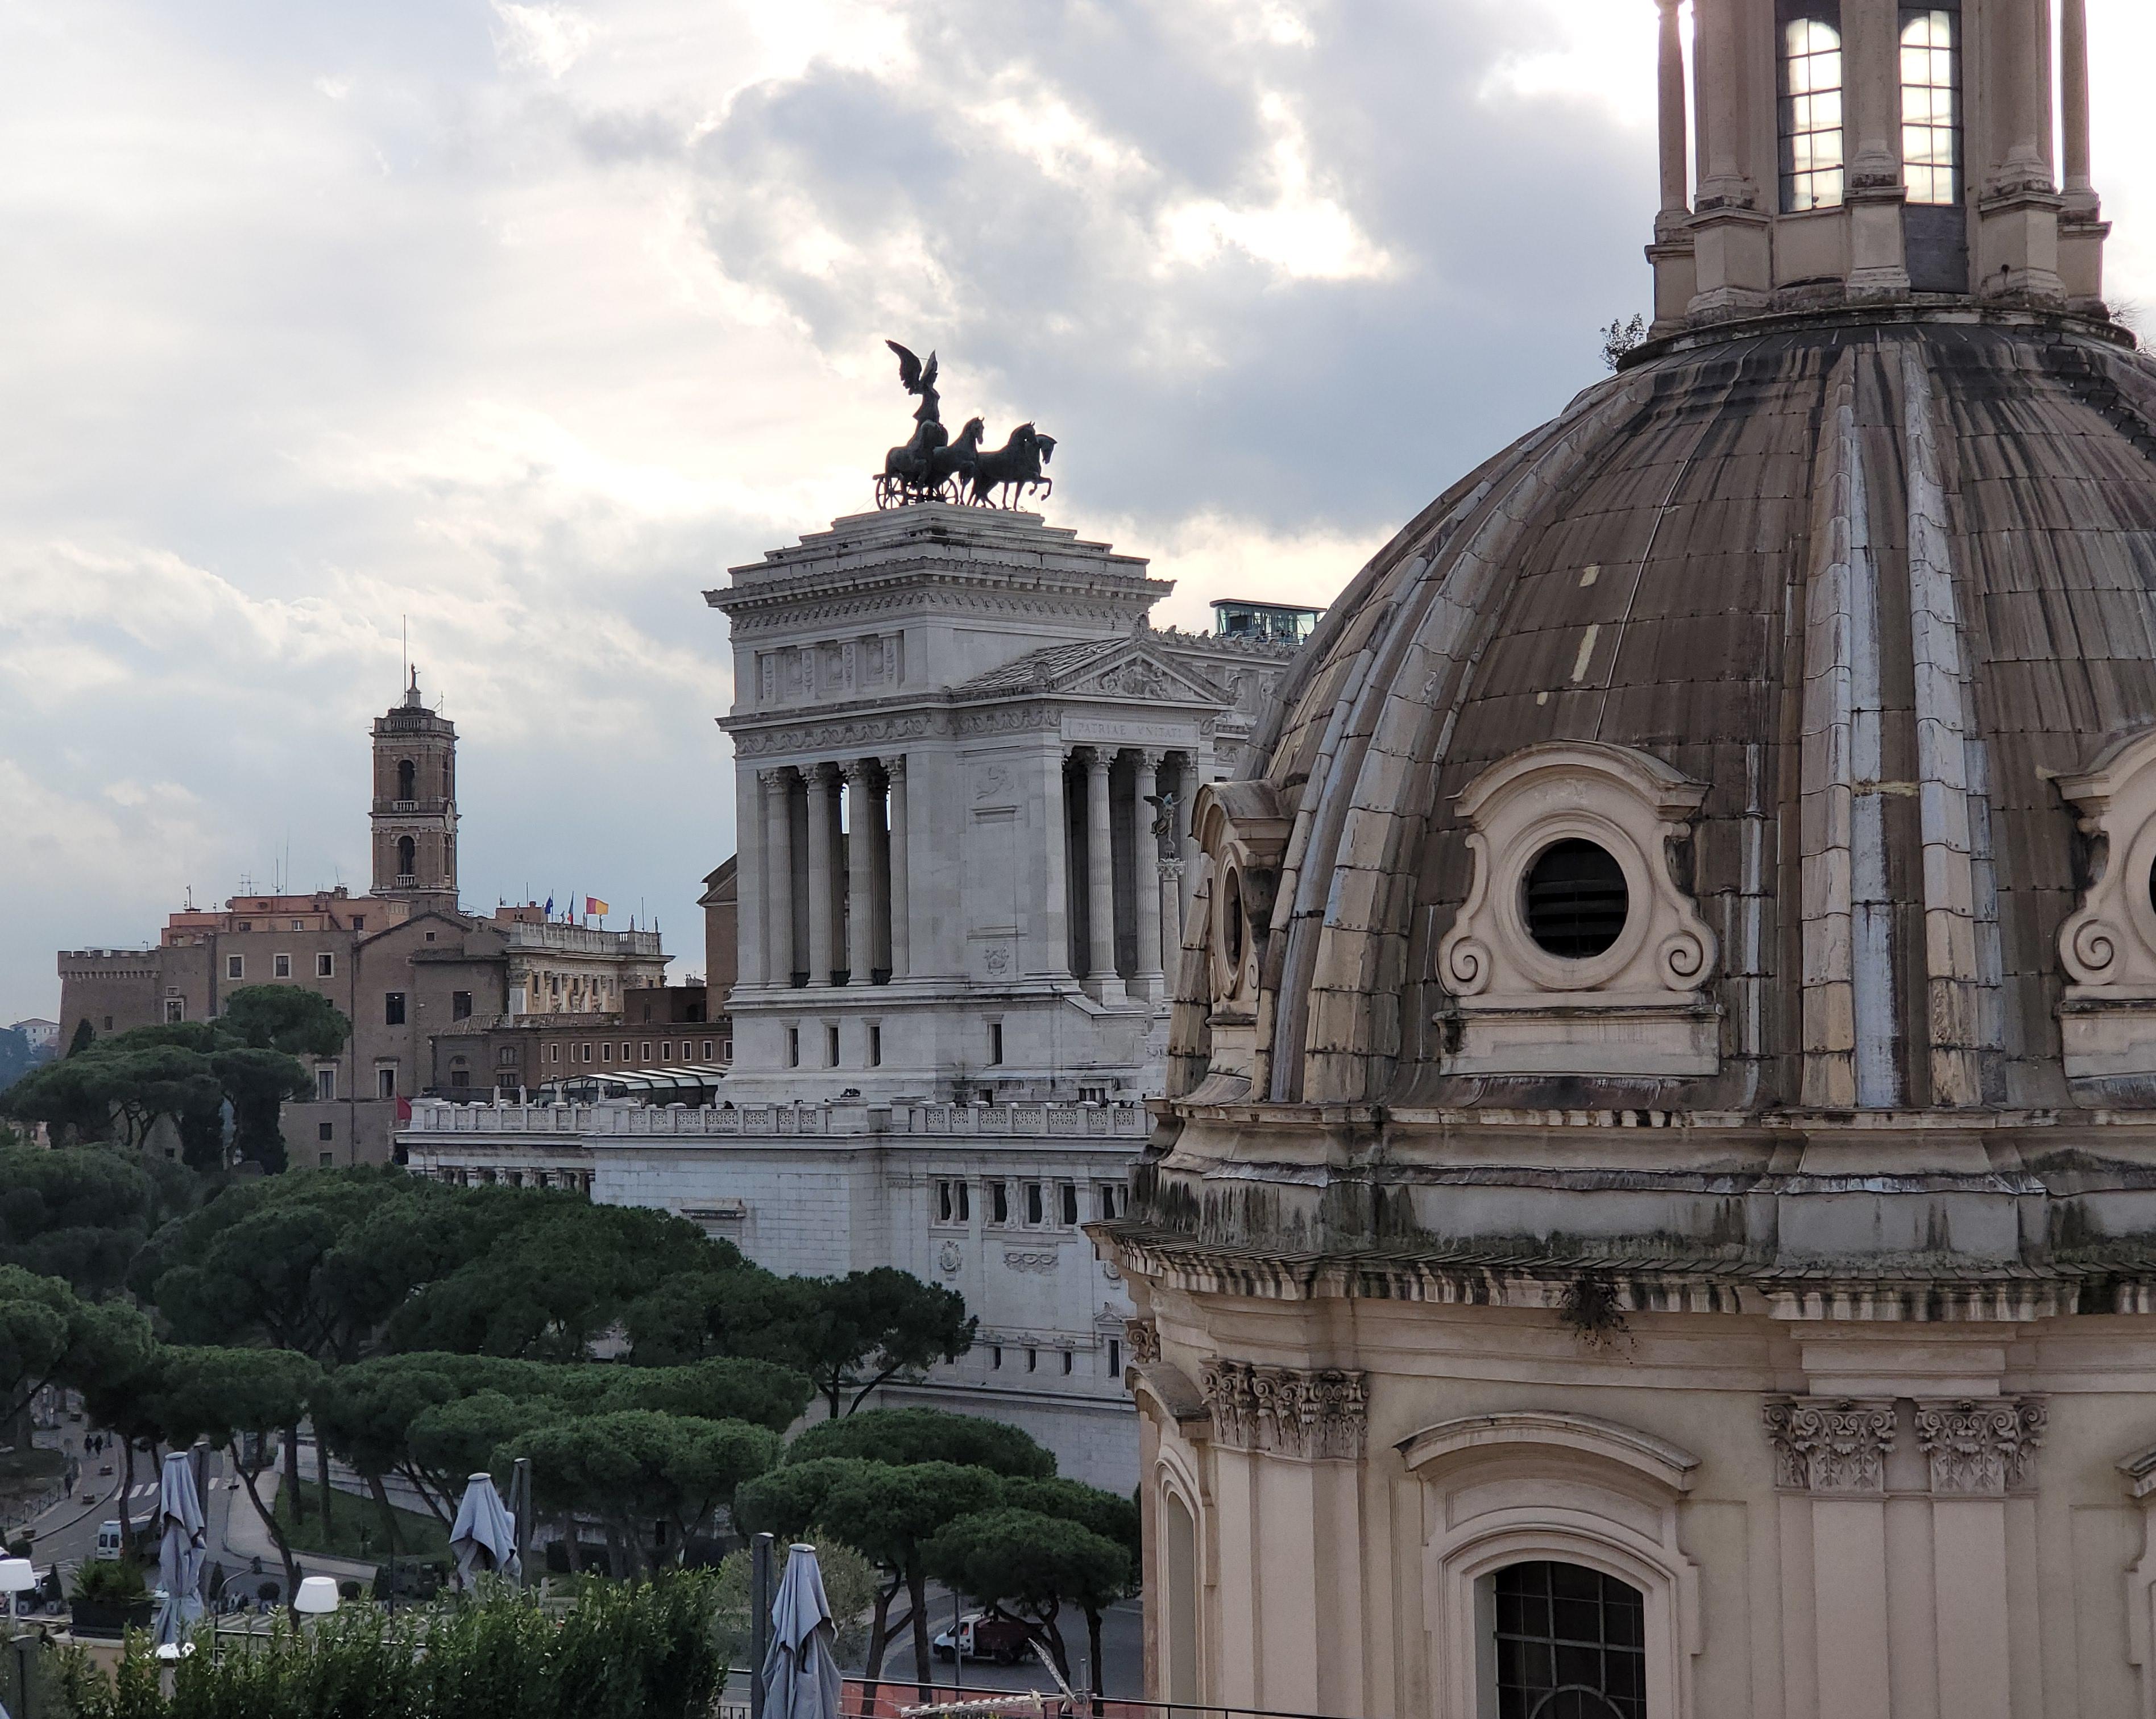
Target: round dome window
[{"x": 1575, "y": 899}]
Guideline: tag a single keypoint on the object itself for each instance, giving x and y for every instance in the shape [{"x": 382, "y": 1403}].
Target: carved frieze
[
  {"x": 1031, "y": 1261},
  {"x": 1980, "y": 1445},
  {"x": 828, "y": 737},
  {"x": 1823, "y": 1444},
  {"x": 1317, "y": 1414}
]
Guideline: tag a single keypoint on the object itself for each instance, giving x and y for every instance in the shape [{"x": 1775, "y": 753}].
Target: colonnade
[
  {"x": 835, "y": 886},
  {"x": 1153, "y": 868},
  {"x": 854, "y": 936}
]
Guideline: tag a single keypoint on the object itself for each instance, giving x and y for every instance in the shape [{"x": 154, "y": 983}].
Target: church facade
[{"x": 1654, "y": 1216}]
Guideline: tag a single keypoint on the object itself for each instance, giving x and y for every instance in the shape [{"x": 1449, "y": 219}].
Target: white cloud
[{"x": 525, "y": 320}]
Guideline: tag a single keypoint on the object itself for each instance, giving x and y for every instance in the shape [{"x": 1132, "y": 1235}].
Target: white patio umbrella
[
  {"x": 181, "y": 1548},
  {"x": 801, "y": 1675},
  {"x": 485, "y": 1535}
]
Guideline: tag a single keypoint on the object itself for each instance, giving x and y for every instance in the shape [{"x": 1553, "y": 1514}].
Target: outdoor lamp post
[
  {"x": 17, "y": 1578},
  {"x": 317, "y": 1596}
]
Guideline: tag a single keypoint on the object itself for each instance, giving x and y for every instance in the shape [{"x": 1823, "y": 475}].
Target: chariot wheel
[{"x": 886, "y": 491}]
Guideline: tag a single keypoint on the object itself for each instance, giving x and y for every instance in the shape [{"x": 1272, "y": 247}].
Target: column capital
[
  {"x": 893, "y": 767},
  {"x": 774, "y": 775},
  {"x": 1980, "y": 1445},
  {"x": 825, "y": 773},
  {"x": 856, "y": 770},
  {"x": 1151, "y": 757},
  {"x": 1831, "y": 1445},
  {"x": 1098, "y": 759}
]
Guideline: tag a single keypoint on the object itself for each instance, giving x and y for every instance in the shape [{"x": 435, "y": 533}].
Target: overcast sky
[{"x": 525, "y": 321}]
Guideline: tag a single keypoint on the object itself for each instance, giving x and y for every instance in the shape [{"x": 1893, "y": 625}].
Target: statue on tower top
[{"x": 932, "y": 467}]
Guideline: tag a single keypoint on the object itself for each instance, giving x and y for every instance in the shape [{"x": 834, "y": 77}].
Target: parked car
[
  {"x": 109, "y": 1542},
  {"x": 986, "y": 1635}
]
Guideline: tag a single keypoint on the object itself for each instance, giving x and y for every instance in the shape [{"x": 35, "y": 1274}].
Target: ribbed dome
[{"x": 1704, "y": 568}]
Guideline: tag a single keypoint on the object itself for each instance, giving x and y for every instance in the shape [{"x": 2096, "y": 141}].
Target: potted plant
[{"x": 110, "y": 1598}]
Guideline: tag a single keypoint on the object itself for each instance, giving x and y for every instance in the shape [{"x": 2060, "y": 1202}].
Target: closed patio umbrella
[
  {"x": 181, "y": 1549},
  {"x": 801, "y": 1676},
  {"x": 485, "y": 1535}
]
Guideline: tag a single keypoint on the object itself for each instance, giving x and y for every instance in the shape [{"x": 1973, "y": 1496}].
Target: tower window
[
  {"x": 1931, "y": 118},
  {"x": 408, "y": 859},
  {"x": 1569, "y": 1640},
  {"x": 407, "y": 786},
  {"x": 1811, "y": 112}
]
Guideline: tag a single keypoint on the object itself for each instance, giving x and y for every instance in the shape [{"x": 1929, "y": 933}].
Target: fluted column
[
  {"x": 1101, "y": 879},
  {"x": 1186, "y": 849},
  {"x": 900, "y": 899},
  {"x": 823, "y": 955},
  {"x": 778, "y": 957},
  {"x": 860, "y": 870},
  {"x": 1150, "y": 980}
]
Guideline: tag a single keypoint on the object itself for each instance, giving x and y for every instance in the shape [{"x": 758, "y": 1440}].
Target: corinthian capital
[
  {"x": 1980, "y": 1445},
  {"x": 1827, "y": 1444}
]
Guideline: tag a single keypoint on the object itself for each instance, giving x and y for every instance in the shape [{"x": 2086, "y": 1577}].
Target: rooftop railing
[{"x": 1075, "y": 1122}]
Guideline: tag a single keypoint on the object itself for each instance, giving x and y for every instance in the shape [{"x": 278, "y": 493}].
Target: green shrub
[
  {"x": 642, "y": 1651},
  {"x": 119, "y": 1580}
]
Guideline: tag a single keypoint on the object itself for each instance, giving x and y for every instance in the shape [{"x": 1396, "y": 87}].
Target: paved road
[{"x": 1122, "y": 1653}]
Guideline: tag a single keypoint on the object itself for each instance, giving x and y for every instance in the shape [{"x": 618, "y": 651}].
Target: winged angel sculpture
[{"x": 932, "y": 467}]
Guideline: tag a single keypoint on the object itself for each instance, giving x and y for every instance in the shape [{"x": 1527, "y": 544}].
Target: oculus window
[
  {"x": 1811, "y": 113},
  {"x": 1571, "y": 1643},
  {"x": 1931, "y": 105},
  {"x": 1575, "y": 902}
]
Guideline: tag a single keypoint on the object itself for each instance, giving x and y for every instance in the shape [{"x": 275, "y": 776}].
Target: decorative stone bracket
[
  {"x": 1975, "y": 1447},
  {"x": 1317, "y": 1414}
]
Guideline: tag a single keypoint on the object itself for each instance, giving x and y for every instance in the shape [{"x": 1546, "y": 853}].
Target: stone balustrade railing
[{"x": 1019, "y": 1121}]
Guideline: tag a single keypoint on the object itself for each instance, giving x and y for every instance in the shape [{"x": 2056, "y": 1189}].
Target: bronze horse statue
[{"x": 1014, "y": 468}]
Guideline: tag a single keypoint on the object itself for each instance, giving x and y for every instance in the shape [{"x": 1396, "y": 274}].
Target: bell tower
[
  {"x": 415, "y": 802},
  {"x": 1874, "y": 151}
]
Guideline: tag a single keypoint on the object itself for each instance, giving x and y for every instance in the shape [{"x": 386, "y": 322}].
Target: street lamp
[
  {"x": 317, "y": 1596},
  {"x": 18, "y": 1577}
]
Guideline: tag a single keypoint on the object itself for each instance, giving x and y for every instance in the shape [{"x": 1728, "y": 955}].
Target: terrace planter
[{"x": 112, "y": 1617}]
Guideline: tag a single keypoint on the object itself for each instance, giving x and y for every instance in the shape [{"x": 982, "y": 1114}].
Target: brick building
[{"x": 403, "y": 962}]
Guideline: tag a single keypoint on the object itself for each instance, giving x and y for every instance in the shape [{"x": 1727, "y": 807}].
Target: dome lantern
[{"x": 1874, "y": 151}]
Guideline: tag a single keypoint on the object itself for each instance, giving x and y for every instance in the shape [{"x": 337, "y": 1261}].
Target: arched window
[
  {"x": 1811, "y": 107},
  {"x": 1931, "y": 105},
  {"x": 1571, "y": 1643},
  {"x": 407, "y": 856},
  {"x": 406, "y": 780}
]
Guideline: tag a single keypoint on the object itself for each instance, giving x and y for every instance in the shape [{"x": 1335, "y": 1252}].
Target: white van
[{"x": 108, "y": 1541}]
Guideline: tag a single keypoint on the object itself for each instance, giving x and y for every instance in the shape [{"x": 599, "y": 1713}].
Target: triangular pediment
[{"x": 1109, "y": 668}]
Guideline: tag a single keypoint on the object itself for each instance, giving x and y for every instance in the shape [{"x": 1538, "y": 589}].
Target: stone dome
[{"x": 1834, "y": 636}]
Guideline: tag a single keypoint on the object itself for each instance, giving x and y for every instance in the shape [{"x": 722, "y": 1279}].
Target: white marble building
[{"x": 953, "y": 911}]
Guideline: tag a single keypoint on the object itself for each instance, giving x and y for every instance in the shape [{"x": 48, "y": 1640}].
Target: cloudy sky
[{"x": 522, "y": 322}]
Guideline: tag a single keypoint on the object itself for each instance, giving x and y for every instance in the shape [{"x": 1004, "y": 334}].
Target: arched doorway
[{"x": 1571, "y": 1643}]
